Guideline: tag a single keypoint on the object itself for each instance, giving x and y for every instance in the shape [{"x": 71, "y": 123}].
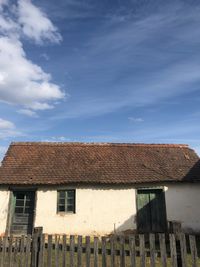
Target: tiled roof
[{"x": 98, "y": 163}]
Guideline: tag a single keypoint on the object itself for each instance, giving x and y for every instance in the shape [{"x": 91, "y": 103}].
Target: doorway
[
  {"x": 22, "y": 208},
  {"x": 151, "y": 211}
]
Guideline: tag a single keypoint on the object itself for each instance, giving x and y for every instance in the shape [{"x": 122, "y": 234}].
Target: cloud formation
[
  {"x": 133, "y": 119},
  {"x": 8, "y": 129},
  {"x": 35, "y": 24},
  {"x": 5, "y": 124},
  {"x": 23, "y": 82}
]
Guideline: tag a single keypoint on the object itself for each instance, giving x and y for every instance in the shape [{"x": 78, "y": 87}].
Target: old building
[{"x": 82, "y": 188}]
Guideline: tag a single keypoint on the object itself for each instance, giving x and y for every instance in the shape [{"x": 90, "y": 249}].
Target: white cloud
[
  {"x": 3, "y": 2},
  {"x": 35, "y": 24},
  {"x": 21, "y": 81},
  {"x": 28, "y": 112},
  {"x": 57, "y": 139},
  {"x": 4, "y": 124},
  {"x": 132, "y": 119},
  {"x": 8, "y": 129},
  {"x": 45, "y": 56}
]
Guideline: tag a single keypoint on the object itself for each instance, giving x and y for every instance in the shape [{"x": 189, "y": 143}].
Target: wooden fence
[{"x": 152, "y": 250}]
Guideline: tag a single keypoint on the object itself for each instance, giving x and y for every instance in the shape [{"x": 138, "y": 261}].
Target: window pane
[
  {"x": 62, "y": 194},
  {"x": 20, "y": 196},
  {"x": 70, "y": 193},
  {"x": 18, "y": 210},
  {"x": 70, "y": 208},
  {"x": 61, "y": 208},
  {"x": 62, "y": 201},
  {"x": 20, "y": 202},
  {"x": 70, "y": 201},
  {"x": 28, "y": 210}
]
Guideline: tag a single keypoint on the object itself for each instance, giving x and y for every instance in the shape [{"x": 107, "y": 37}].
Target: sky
[{"x": 100, "y": 71}]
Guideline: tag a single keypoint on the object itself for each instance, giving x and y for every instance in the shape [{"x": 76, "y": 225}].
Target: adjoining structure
[{"x": 79, "y": 188}]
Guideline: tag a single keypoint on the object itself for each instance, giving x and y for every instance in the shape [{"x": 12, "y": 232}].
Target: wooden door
[
  {"x": 23, "y": 212},
  {"x": 151, "y": 211}
]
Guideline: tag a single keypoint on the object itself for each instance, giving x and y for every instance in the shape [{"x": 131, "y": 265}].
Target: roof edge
[{"x": 97, "y": 144}]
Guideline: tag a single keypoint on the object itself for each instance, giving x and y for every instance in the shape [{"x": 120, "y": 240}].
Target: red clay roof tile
[{"x": 97, "y": 163}]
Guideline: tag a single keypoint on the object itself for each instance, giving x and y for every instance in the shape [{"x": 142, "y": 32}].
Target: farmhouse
[{"x": 94, "y": 188}]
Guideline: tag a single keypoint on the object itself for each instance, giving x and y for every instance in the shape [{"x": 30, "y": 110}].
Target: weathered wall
[
  {"x": 99, "y": 210},
  {"x": 4, "y": 200},
  {"x": 183, "y": 204}
]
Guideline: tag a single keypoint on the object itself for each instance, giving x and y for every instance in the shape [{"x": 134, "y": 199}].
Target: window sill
[{"x": 64, "y": 213}]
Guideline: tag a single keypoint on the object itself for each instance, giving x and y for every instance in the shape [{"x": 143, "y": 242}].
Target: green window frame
[{"x": 66, "y": 201}]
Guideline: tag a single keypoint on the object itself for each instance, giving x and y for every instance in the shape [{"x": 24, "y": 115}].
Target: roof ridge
[{"x": 97, "y": 143}]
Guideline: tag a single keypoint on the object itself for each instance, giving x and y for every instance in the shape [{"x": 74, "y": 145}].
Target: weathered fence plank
[
  {"x": 132, "y": 251},
  {"x": 193, "y": 250},
  {"x": 122, "y": 252},
  {"x": 10, "y": 250},
  {"x": 27, "y": 254},
  {"x": 41, "y": 250},
  {"x": 96, "y": 252},
  {"x": 49, "y": 251},
  {"x": 15, "y": 251},
  {"x": 104, "y": 260},
  {"x": 71, "y": 248},
  {"x": 79, "y": 252},
  {"x": 3, "y": 258},
  {"x": 152, "y": 249},
  {"x": 57, "y": 239},
  {"x": 64, "y": 251},
  {"x": 173, "y": 251},
  {"x": 21, "y": 259},
  {"x": 142, "y": 251},
  {"x": 183, "y": 250},
  {"x": 87, "y": 253},
  {"x": 112, "y": 250},
  {"x": 163, "y": 251}
]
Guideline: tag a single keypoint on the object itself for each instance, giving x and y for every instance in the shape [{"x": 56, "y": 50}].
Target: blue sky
[{"x": 100, "y": 71}]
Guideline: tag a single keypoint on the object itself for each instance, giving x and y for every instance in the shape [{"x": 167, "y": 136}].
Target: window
[{"x": 66, "y": 201}]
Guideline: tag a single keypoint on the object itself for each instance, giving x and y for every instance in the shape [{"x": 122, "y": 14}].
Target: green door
[
  {"x": 151, "y": 211},
  {"x": 23, "y": 212}
]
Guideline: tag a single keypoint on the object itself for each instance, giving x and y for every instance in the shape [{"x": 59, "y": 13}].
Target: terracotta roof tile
[{"x": 102, "y": 163}]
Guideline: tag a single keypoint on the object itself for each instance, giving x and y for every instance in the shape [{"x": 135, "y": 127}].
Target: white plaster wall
[
  {"x": 99, "y": 210},
  {"x": 4, "y": 200},
  {"x": 183, "y": 204}
]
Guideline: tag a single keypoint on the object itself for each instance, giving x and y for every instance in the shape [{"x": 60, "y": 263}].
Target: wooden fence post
[{"x": 36, "y": 245}]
